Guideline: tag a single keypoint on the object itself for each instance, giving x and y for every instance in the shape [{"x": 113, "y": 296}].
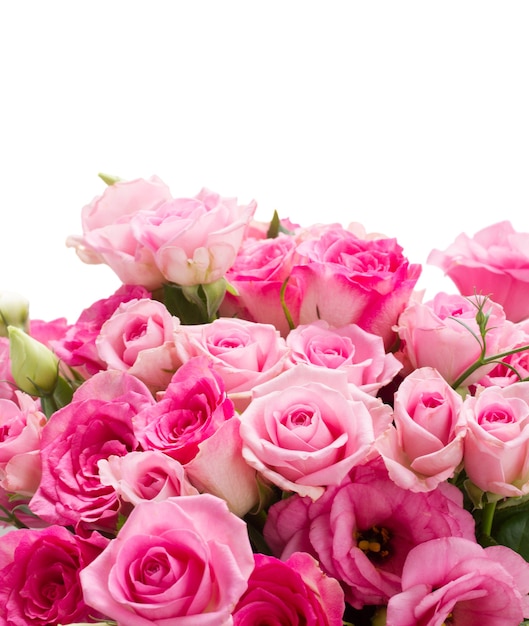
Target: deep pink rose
[
  {"x": 347, "y": 280},
  {"x": 425, "y": 446},
  {"x": 258, "y": 274},
  {"x": 303, "y": 430},
  {"x": 496, "y": 454},
  {"x": 192, "y": 409},
  {"x": 39, "y": 570},
  {"x": 145, "y": 475},
  {"x": 21, "y": 424},
  {"x": 442, "y": 334},
  {"x": 107, "y": 233},
  {"x": 362, "y": 530},
  {"x": 293, "y": 592},
  {"x": 183, "y": 561},
  {"x": 495, "y": 262},
  {"x": 95, "y": 425},
  {"x": 139, "y": 339},
  {"x": 350, "y": 348},
  {"x": 451, "y": 580},
  {"x": 48, "y": 333},
  {"x": 194, "y": 240},
  {"x": 243, "y": 353}
]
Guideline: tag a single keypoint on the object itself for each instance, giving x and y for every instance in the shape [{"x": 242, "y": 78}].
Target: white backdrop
[{"x": 409, "y": 117}]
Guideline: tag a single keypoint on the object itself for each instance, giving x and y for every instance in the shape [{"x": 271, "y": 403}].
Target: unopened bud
[
  {"x": 14, "y": 311},
  {"x": 34, "y": 367}
]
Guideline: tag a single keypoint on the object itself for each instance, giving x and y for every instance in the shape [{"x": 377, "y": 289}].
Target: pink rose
[
  {"x": 444, "y": 334},
  {"x": 496, "y": 454},
  {"x": 185, "y": 560},
  {"x": 303, "y": 430},
  {"x": 243, "y": 353},
  {"x": 147, "y": 475},
  {"x": 139, "y": 339},
  {"x": 97, "y": 423},
  {"x": 39, "y": 570},
  {"x": 362, "y": 530},
  {"x": 350, "y": 348},
  {"x": 107, "y": 233},
  {"x": 453, "y": 580},
  {"x": 291, "y": 592},
  {"x": 21, "y": 424},
  {"x": 194, "y": 240},
  {"x": 48, "y": 333},
  {"x": 425, "y": 446},
  {"x": 495, "y": 262},
  {"x": 347, "y": 280},
  {"x": 192, "y": 409},
  {"x": 7, "y": 384}
]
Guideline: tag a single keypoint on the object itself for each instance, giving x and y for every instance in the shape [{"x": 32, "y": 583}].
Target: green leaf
[
  {"x": 273, "y": 228},
  {"x": 513, "y": 531}
]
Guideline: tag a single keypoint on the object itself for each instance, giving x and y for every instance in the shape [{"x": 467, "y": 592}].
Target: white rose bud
[{"x": 34, "y": 367}]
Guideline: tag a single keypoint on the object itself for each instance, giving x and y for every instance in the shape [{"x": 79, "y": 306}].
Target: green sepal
[
  {"x": 194, "y": 304},
  {"x": 109, "y": 179}
]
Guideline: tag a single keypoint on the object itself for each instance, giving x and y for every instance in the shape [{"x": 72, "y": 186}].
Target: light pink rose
[
  {"x": 495, "y": 262},
  {"x": 107, "y": 233},
  {"x": 139, "y": 339},
  {"x": 350, "y": 348},
  {"x": 303, "y": 430},
  {"x": 453, "y": 580},
  {"x": 425, "y": 446},
  {"x": 21, "y": 424},
  {"x": 496, "y": 454},
  {"x": 243, "y": 353},
  {"x": 146, "y": 475},
  {"x": 194, "y": 240},
  {"x": 39, "y": 570},
  {"x": 291, "y": 592},
  {"x": 347, "y": 280},
  {"x": 361, "y": 531},
  {"x": 185, "y": 560},
  {"x": 443, "y": 334}
]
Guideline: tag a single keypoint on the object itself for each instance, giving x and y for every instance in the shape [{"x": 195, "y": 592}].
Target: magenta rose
[
  {"x": 304, "y": 431},
  {"x": 347, "y": 280},
  {"x": 97, "y": 423},
  {"x": 496, "y": 453},
  {"x": 185, "y": 560},
  {"x": 192, "y": 409},
  {"x": 39, "y": 570},
  {"x": 139, "y": 339},
  {"x": 194, "y": 240},
  {"x": 425, "y": 445},
  {"x": 293, "y": 592},
  {"x": 494, "y": 262},
  {"x": 442, "y": 334},
  {"x": 350, "y": 348},
  {"x": 107, "y": 233},
  {"x": 362, "y": 530},
  {"x": 451, "y": 580}
]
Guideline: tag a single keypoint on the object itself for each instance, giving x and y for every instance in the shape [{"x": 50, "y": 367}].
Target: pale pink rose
[
  {"x": 303, "y": 430},
  {"x": 425, "y": 446},
  {"x": 291, "y": 592},
  {"x": 362, "y": 530},
  {"x": 183, "y": 561},
  {"x": 496, "y": 454},
  {"x": 444, "y": 333},
  {"x": 39, "y": 570},
  {"x": 7, "y": 384},
  {"x": 258, "y": 274},
  {"x": 350, "y": 348},
  {"x": 107, "y": 233},
  {"x": 243, "y": 353},
  {"x": 21, "y": 424},
  {"x": 48, "y": 333},
  {"x": 451, "y": 580},
  {"x": 495, "y": 262},
  {"x": 260, "y": 230},
  {"x": 139, "y": 339},
  {"x": 194, "y": 240},
  {"x": 146, "y": 475},
  {"x": 347, "y": 280}
]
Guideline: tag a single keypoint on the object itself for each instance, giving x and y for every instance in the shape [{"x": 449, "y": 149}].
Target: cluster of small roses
[{"x": 227, "y": 439}]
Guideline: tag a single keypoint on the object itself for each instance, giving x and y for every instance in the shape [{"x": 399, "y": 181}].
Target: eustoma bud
[
  {"x": 33, "y": 366},
  {"x": 14, "y": 311}
]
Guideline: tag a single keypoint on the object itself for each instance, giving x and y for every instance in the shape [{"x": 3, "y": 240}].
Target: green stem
[{"x": 488, "y": 516}]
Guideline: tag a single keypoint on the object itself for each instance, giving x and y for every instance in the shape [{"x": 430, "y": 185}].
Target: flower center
[{"x": 374, "y": 542}]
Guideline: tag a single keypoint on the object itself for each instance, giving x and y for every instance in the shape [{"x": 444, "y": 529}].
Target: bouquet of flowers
[{"x": 265, "y": 424}]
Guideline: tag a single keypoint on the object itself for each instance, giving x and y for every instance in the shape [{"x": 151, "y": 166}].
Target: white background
[{"x": 409, "y": 117}]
